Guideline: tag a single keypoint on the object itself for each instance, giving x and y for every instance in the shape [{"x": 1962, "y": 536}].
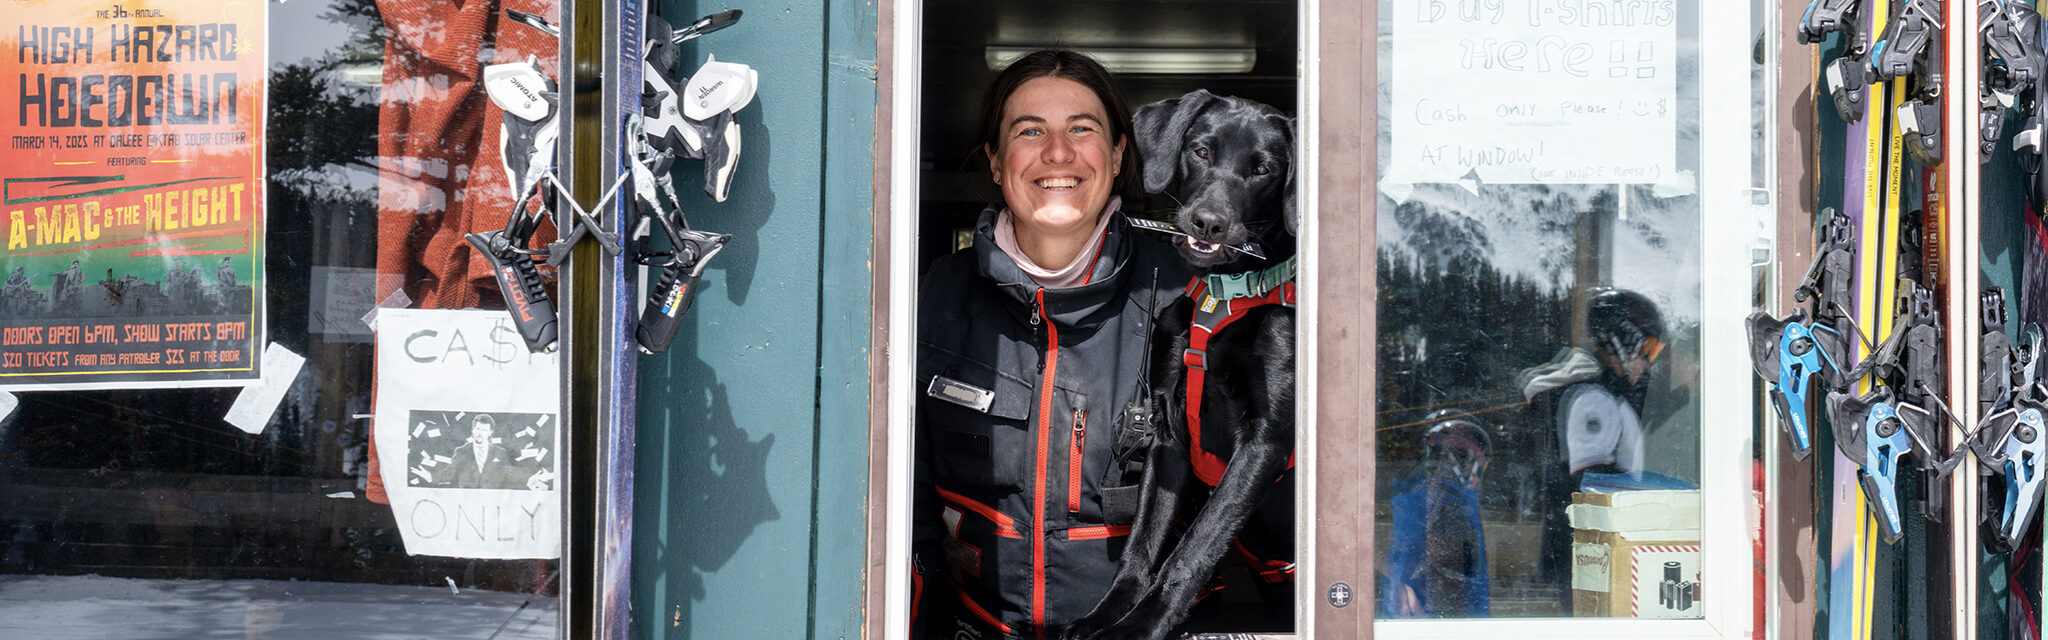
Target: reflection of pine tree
[
  {"x": 1454, "y": 332},
  {"x": 319, "y": 120}
]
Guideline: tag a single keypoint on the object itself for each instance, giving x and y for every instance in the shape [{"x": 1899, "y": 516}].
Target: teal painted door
[{"x": 752, "y": 467}]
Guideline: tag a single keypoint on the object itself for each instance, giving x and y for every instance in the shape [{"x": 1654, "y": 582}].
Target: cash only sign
[{"x": 131, "y": 165}]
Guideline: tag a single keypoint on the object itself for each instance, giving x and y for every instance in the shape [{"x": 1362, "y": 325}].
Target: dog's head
[{"x": 1230, "y": 164}]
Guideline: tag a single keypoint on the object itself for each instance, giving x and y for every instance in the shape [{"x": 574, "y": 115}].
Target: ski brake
[{"x": 1789, "y": 352}]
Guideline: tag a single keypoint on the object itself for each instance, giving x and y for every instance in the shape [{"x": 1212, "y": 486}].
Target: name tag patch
[{"x": 960, "y": 393}]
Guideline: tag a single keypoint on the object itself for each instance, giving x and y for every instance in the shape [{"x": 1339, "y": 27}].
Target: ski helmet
[
  {"x": 1625, "y": 323},
  {"x": 1458, "y": 443}
]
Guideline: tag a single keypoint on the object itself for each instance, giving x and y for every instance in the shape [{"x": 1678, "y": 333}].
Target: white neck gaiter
[{"x": 1075, "y": 273}]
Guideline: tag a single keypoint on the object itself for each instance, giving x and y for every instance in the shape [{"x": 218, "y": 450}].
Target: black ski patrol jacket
[{"x": 1019, "y": 393}]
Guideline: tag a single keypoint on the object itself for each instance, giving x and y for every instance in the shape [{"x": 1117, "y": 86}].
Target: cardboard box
[{"x": 1635, "y": 554}]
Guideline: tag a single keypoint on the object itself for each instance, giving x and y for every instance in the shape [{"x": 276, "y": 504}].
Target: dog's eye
[
  {"x": 1202, "y": 152},
  {"x": 1262, "y": 170}
]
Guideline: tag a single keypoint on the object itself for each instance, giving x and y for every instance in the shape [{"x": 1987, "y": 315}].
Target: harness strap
[
  {"x": 1215, "y": 310},
  {"x": 1269, "y": 570}
]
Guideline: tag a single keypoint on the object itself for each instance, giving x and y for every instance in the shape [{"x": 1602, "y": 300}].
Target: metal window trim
[{"x": 899, "y": 63}]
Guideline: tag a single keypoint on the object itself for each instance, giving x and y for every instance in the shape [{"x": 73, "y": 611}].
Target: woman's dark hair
[{"x": 1061, "y": 63}]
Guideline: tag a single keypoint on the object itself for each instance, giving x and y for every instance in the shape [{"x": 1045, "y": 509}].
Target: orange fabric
[
  {"x": 1005, "y": 526},
  {"x": 1074, "y": 456},
  {"x": 439, "y": 172},
  {"x": 1098, "y": 533},
  {"x": 976, "y": 609},
  {"x": 1268, "y": 570},
  {"x": 1052, "y": 364}
]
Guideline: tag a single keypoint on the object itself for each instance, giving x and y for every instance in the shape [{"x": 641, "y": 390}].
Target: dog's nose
[{"x": 1208, "y": 223}]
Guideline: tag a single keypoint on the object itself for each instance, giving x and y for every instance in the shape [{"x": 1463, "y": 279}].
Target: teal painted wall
[{"x": 750, "y": 514}]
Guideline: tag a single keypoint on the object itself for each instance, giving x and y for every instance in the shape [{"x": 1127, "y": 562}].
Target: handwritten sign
[
  {"x": 467, "y": 435},
  {"x": 1534, "y": 91}
]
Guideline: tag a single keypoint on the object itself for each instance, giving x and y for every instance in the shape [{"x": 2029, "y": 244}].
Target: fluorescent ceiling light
[
  {"x": 366, "y": 74},
  {"x": 1178, "y": 61}
]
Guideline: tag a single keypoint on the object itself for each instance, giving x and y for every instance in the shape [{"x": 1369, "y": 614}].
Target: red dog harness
[{"x": 1219, "y": 301}]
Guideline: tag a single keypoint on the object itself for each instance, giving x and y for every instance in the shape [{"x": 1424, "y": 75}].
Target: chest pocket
[{"x": 983, "y": 451}]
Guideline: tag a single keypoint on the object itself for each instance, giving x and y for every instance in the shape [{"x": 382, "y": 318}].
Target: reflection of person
[
  {"x": 1593, "y": 400},
  {"x": 1029, "y": 346},
  {"x": 481, "y": 463},
  {"x": 1436, "y": 565}
]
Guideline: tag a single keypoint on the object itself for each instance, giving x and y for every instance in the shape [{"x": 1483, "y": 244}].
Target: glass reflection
[
  {"x": 1484, "y": 322},
  {"x": 142, "y": 509}
]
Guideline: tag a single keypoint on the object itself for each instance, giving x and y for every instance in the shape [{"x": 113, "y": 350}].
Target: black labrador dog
[{"x": 1229, "y": 163}]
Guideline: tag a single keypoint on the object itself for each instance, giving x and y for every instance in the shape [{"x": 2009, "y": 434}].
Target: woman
[{"x": 1029, "y": 347}]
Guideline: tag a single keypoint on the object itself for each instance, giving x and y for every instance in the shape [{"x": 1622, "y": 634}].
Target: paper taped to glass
[{"x": 467, "y": 433}]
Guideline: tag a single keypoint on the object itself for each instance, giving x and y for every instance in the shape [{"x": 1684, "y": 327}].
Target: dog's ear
[
  {"x": 1291, "y": 212},
  {"x": 1162, "y": 127}
]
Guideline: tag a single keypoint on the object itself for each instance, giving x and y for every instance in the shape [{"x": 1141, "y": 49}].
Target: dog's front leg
[
  {"x": 1166, "y": 479},
  {"x": 1188, "y": 569}
]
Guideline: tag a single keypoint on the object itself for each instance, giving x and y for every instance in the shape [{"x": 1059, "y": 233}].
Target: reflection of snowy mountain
[{"x": 1531, "y": 231}]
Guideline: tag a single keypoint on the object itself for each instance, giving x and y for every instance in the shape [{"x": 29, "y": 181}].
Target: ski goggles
[{"x": 1652, "y": 348}]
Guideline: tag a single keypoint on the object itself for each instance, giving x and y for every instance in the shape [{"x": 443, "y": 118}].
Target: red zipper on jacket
[
  {"x": 1050, "y": 364},
  {"x": 1074, "y": 462},
  {"x": 1080, "y": 416}
]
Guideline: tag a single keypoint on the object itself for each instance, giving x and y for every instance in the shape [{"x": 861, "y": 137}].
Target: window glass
[
  {"x": 1539, "y": 311},
  {"x": 209, "y": 193}
]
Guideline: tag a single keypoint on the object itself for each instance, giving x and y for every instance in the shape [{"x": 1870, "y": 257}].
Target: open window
[{"x": 1244, "y": 48}]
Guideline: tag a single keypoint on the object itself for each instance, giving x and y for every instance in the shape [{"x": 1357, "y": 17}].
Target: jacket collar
[{"x": 1083, "y": 306}]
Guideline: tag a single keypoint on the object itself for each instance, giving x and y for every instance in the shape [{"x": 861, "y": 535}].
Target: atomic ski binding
[
  {"x": 696, "y": 123},
  {"x": 1877, "y": 430},
  {"x": 1904, "y": 51},
  {"x": 1791, "y": 351},
  {"x": 527, "y": 141},
  {"x": 2009, "y": 440},
  {"x": 2013, "y": 63}
]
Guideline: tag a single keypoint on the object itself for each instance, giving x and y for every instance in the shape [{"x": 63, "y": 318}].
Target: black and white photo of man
[
  {"x": 480, "y": 463},
  {"x": 482, "y": 450}
]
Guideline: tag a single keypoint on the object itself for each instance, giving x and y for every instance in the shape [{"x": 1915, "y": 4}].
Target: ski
[
  {"x": 1851, "y": 549},
  {"x": 2011, "y": 309}
]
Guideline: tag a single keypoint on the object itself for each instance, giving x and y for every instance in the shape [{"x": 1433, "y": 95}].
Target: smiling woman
[
  {"x": 1056, "y": 159},
  {"x": 1024, "y": 340}
]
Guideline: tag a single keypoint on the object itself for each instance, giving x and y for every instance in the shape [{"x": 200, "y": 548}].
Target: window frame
[{"x": 1335, "y": 495}]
